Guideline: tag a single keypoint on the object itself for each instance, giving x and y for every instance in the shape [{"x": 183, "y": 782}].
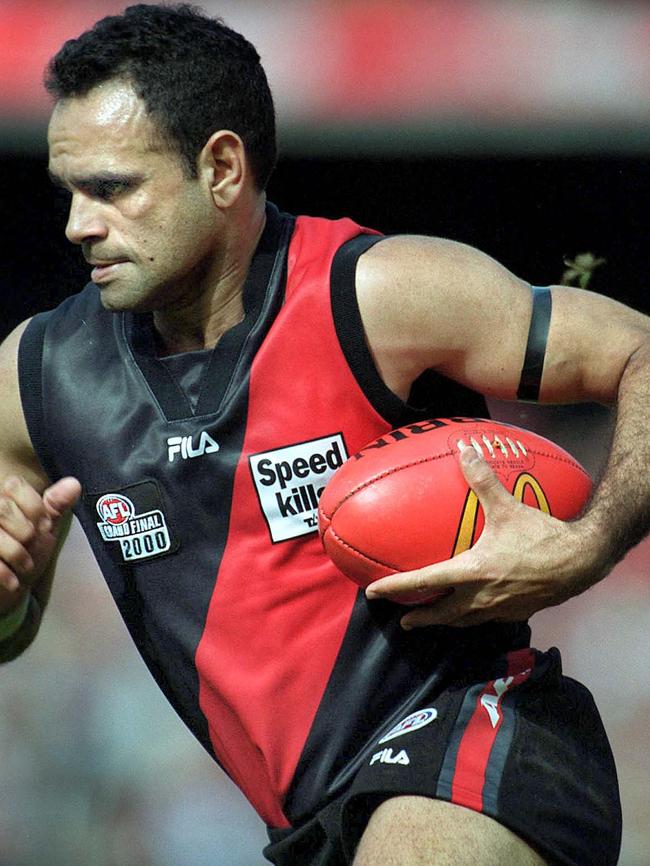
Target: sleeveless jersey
[{"x": 203, "y": 519}]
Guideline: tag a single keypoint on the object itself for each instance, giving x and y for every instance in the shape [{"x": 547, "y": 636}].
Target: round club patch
[
  {"x": 115, "y": 509},
  {"x": 411, "y": 723}
]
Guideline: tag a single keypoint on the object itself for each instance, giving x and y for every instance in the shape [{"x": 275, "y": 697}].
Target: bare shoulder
[
  {"x": 432, "y": 252},
  {"x": 16, "y": 452},
  {"x": 434, "y": 303}
]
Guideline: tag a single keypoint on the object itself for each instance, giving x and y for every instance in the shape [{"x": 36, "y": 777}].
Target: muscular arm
[
  {"x": 430, "y": 303},
  {"x": 34, "y": 515},
  {"x": 619, "y": 511}
]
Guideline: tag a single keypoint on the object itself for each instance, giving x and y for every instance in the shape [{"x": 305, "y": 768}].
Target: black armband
[{"x": 531, "y": 373}]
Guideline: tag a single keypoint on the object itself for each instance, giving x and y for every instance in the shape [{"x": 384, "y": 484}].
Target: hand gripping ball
[{"x": 402, "y": 501}]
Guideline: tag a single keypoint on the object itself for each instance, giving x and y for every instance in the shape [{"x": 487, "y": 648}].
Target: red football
[{"x": 402, "y": 502}]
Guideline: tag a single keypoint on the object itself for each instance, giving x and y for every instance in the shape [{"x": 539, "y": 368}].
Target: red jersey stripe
[{"x": 277, "y": 604}]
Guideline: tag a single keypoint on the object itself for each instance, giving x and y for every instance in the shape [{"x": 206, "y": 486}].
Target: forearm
[
  {"x": 618, "y": 515},
  {"x": 37, "y": 595}
]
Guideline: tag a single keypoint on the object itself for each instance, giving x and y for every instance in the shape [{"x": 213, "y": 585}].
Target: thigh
[{"x": 416, "y": 831}]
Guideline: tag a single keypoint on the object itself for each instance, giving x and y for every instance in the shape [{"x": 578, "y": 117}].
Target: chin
[
  {"x": 118, "y": 300},
  {"x": 113, "y": 301}
]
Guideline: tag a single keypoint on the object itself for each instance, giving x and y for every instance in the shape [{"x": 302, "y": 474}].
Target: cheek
[
  {"x": 181, "y": 252},
  {"x": 181, "y": 240}
]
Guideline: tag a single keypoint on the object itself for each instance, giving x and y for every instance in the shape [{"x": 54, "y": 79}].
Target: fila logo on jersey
[
  {"x": 289, "y": 482},
  {"x": 386, "y": 757},
  {"x": 140, "y": 536},
  {"x": 411, "y": 723},
  {"x": 184, "y": 446}
]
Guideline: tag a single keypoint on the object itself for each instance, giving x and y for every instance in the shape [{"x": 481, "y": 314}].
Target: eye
[{"x": 108, "y": 189}]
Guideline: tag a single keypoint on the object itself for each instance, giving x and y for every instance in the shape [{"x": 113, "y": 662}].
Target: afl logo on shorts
[{"x": 411, "y": 723}]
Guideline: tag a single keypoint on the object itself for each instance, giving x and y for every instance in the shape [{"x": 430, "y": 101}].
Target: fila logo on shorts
[
  {"x": 386, "y": 757},
  {"x": 411, "y": 723},
  {"x": 289, "y": 482}
]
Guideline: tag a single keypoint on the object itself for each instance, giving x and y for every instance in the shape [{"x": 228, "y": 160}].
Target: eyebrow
[{"x": 105, "y": 177}]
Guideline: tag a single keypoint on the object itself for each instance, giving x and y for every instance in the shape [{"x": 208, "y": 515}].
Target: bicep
[{"x": 429, "y": 303}]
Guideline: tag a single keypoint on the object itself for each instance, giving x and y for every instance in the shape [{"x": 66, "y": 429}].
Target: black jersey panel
[
  {"x": 379, "y": 678},
  {"x": 431, "y": 395},
  {"x": 130, "y": 435}
]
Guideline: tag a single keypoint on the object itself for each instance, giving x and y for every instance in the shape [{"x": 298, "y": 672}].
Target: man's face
[{"x": 149, "y": 231}]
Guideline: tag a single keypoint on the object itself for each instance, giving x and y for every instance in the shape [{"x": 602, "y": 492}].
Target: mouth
[{"x": 104, "y": 270}]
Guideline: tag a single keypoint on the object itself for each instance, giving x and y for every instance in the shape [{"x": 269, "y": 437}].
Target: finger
[
  {"x": 14, "y": 522},
  {"x": 412, "y": 583},
  {"x": 483, "y": 481},
  {"x": 60, "y": 497},
  {"x": 430, "y": 580},
  {"x": 23, "y": 509},
  {"x": 445, "y": 611},
  {"x": 8, "y": 580},
  {"x": 456, "y": 614},
  {"x": 14, "y": 555},
  {"x": 466, "y": 608}
]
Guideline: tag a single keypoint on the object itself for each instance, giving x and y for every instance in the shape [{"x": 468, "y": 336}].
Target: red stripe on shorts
[{"x": 482, "y": 730}]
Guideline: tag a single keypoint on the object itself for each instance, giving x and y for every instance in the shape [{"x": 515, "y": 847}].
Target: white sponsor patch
[
  {"x": 411, "y": 723},
  {"x": 290, "y": 480},
  {"x": 139, "y": 536}
]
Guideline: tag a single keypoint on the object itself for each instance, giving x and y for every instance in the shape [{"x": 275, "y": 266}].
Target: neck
[{"x": 201, "y": 322}]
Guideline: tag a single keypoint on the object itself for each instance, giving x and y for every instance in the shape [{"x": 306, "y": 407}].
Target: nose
[{"x": 85, "y": 220}]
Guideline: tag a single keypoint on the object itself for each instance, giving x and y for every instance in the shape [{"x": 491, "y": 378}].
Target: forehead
[{"x": 110, "y": 123}]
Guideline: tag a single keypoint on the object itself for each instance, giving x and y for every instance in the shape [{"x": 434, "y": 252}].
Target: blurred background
[{"x": 520, "y": 127}]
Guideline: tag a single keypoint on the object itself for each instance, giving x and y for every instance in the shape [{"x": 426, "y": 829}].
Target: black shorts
[{"x": 524, "y": 744}]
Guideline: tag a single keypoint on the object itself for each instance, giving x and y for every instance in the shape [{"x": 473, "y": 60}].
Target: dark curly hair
[{"x": 194, "y": 75}]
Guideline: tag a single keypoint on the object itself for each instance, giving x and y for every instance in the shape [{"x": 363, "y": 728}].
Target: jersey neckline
[{"x": 229, "y": 361}]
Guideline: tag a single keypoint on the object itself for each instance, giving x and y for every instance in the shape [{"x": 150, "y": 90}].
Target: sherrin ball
[{"x": 402, "y": 501}]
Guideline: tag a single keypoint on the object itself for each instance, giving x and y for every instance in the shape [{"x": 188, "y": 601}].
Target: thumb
[
  {"x": 61, "y": 496},
  {"x": 483, "y": 480}
]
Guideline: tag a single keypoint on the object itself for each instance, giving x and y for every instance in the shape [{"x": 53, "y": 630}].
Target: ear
[{"x": 224, "y": 165}]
